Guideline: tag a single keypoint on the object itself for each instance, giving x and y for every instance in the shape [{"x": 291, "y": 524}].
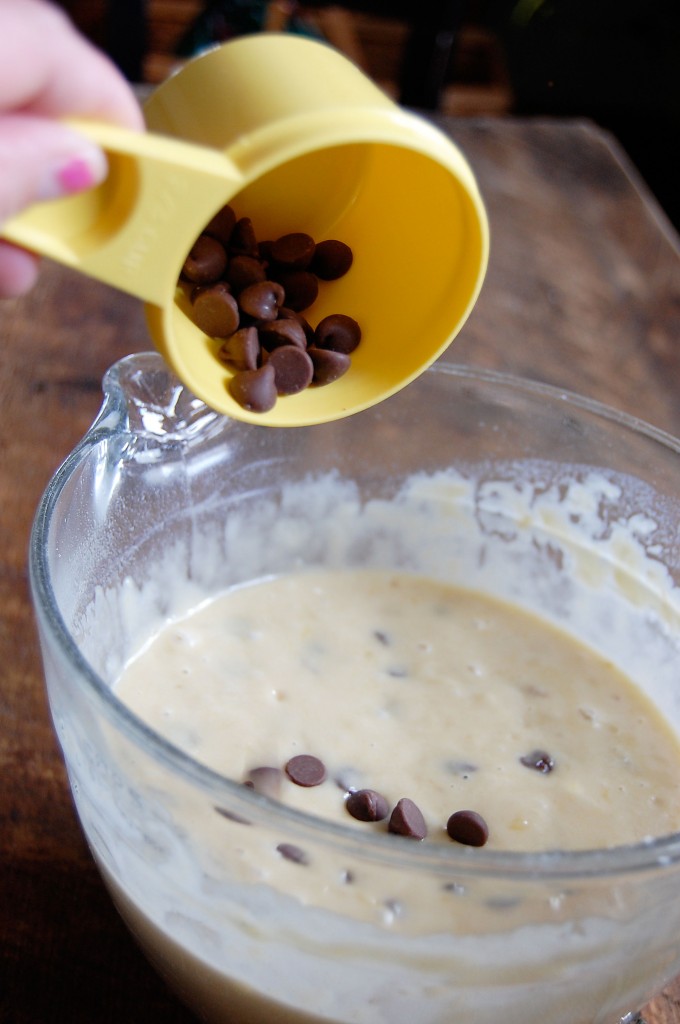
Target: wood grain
[{"x": 583, "y": 291}]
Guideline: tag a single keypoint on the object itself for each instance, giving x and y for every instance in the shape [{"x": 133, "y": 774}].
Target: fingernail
[{"x": 74, "y": 174}]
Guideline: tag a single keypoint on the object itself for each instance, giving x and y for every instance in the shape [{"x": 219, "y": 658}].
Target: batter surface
[{"x": 416, "y": 690}]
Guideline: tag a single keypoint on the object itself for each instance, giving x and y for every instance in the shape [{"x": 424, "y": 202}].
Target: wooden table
[{"x": 583, "y": 291}]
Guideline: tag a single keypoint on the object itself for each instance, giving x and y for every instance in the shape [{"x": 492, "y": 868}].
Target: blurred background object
[{"x": 616, "y": 62}]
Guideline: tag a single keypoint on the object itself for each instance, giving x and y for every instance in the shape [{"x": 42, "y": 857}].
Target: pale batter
[
  {"x": 398, "y": 930},
  {"x": 415, "y": 689}
]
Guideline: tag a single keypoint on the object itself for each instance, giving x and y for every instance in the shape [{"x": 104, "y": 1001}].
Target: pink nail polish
[{"x": 75, "y": 176}]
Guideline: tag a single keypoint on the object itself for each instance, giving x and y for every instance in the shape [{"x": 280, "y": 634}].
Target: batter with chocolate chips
[{"x": 413, "y": 707}]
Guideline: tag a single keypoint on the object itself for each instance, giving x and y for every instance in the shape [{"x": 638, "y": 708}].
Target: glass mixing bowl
[{"x": 542, "y": 498}]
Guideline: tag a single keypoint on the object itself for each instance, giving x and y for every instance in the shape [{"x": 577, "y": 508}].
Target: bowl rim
[{"x": 650, "y": 855}]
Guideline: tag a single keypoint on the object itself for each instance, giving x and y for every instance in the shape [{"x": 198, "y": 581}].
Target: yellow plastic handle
[
  {"x": 134, "y": 230},
  {"x": 298, "y": 139}
]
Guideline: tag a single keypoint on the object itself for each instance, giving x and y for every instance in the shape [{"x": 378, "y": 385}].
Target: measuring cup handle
[{"x": 134, "y": 230}]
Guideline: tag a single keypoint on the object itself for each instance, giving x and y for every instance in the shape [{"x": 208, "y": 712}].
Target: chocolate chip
[
  {"x": 222, "y": 225},
  {"x": 267, "y": 285},
  {"x": 293, "y": 369},
  {"x": 241, "y": 350},
  {"x": 265, "y": 780},
  {"x": 292, "y": 852},
  {"x": 215, "y": 311},
  {"x": 539, "y": 760},
  {"x": 301, "y": 288},
  {"x": 367, "y": 805},
  {"x": 243, "y": 241},
  {"x": 254, "y": 390},
  {"x": 243, "y": 271},
  {"x": 332, "y": 259},
  {"x": 306, "y": 770},
  {"x": 197, "y": 289},
  {"x": 282, "y": 332},
  {"x": 407, "y": 820},
  {"x": 382, "y": 637},
  {"x": 338, "y": 332},
  {"x": 264, "y": 250},
  {"x": 328, "y": 366},
  {"x": 206, "y": 262},
  {"x": 468, "y": 828},
  {"x": 290, "y": 314},
  {"x": 262, "y": 300},
  {"x": 232, "y": 816},
  {"x": 294, "y": 251}
]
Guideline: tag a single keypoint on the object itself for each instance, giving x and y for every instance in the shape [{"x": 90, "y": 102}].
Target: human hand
[{"x": 48, "y": 71}]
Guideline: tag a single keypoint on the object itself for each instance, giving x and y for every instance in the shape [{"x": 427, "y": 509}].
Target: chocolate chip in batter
[
  {"x": 539, "y": 760},
  {"x": 367, "y": 805},
  {"x": 291, "y": 852},
  {"x": 382, "y": 637},
  {"x": 468, "y": 828},
  {"x": 232, "y": 816},
  {"x": 306, "y": 770},
  {"x": 407, "y": 820}
]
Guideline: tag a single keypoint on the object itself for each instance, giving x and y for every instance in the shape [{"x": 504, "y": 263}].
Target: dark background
[{"x": 614, "y": 61}]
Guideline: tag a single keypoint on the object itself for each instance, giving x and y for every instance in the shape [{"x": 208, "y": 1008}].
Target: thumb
[{"x": 43, "y": 159}]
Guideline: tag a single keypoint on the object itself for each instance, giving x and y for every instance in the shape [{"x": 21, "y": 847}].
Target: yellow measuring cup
[{"x": 293, "y": 135}]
